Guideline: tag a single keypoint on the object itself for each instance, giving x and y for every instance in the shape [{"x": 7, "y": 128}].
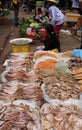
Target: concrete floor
[{"x": 69, "y": 43}]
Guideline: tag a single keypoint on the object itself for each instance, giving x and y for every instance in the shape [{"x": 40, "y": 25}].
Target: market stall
[
  {"x": 30, "y": 28},
  {"x": 41, "y": 90},
  {"x": 72, "y": 17},
  {"x": 40, "y": 4}
]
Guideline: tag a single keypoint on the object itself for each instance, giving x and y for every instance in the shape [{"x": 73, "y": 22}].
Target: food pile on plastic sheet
[
  {"x": 39, "y": 91},
  {"x": 45, "y": 60},
  {"x": 60, "y": 116},
  {"x": 19, "y": 117}
]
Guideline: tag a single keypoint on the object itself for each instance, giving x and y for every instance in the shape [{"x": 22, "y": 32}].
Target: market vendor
[
  {"x": 51, "y": 42},
  {"x": 41, "y": 16},
  {"x": 57, "y": 18}
]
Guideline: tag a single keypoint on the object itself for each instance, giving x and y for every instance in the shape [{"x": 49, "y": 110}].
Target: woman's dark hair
[
  {"x": 39, "y": 10},
  {"x": 49, "y": 28}
]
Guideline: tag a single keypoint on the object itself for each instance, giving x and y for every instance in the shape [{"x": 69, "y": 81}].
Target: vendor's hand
[{"x": 49, "y": 19}]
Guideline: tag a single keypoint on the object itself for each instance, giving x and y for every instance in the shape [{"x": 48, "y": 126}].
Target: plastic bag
[{"x": 61, "y": 66}]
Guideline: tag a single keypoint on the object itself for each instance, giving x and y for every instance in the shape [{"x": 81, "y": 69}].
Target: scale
[{"x": 20, "y": 45}]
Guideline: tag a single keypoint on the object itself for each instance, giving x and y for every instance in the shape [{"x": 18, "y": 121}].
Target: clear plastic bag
[{"x": 61, "y": 66}]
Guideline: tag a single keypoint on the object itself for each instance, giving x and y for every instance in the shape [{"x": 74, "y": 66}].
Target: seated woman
[{"x": 51, "y": 42}]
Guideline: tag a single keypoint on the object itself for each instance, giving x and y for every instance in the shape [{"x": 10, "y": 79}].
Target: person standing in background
[
  {"x": 31, "y": 5},
  {"x": 69, "y": 4},
  {"x": 75, "y": 4},
  {"x": 57, "y": 18},
  {"x": 80, "y": 7},
  {"x": 16, "y": 5}
]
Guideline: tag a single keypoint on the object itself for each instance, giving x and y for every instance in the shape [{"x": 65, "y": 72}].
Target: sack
[{"x": 16, "y": 1}]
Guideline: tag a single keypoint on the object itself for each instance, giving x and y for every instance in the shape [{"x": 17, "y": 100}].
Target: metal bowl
[{"x": 21, "y": 41}]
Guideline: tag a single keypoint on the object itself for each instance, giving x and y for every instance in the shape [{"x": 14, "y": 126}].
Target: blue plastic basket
[{"x": 77, "y": 52}]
